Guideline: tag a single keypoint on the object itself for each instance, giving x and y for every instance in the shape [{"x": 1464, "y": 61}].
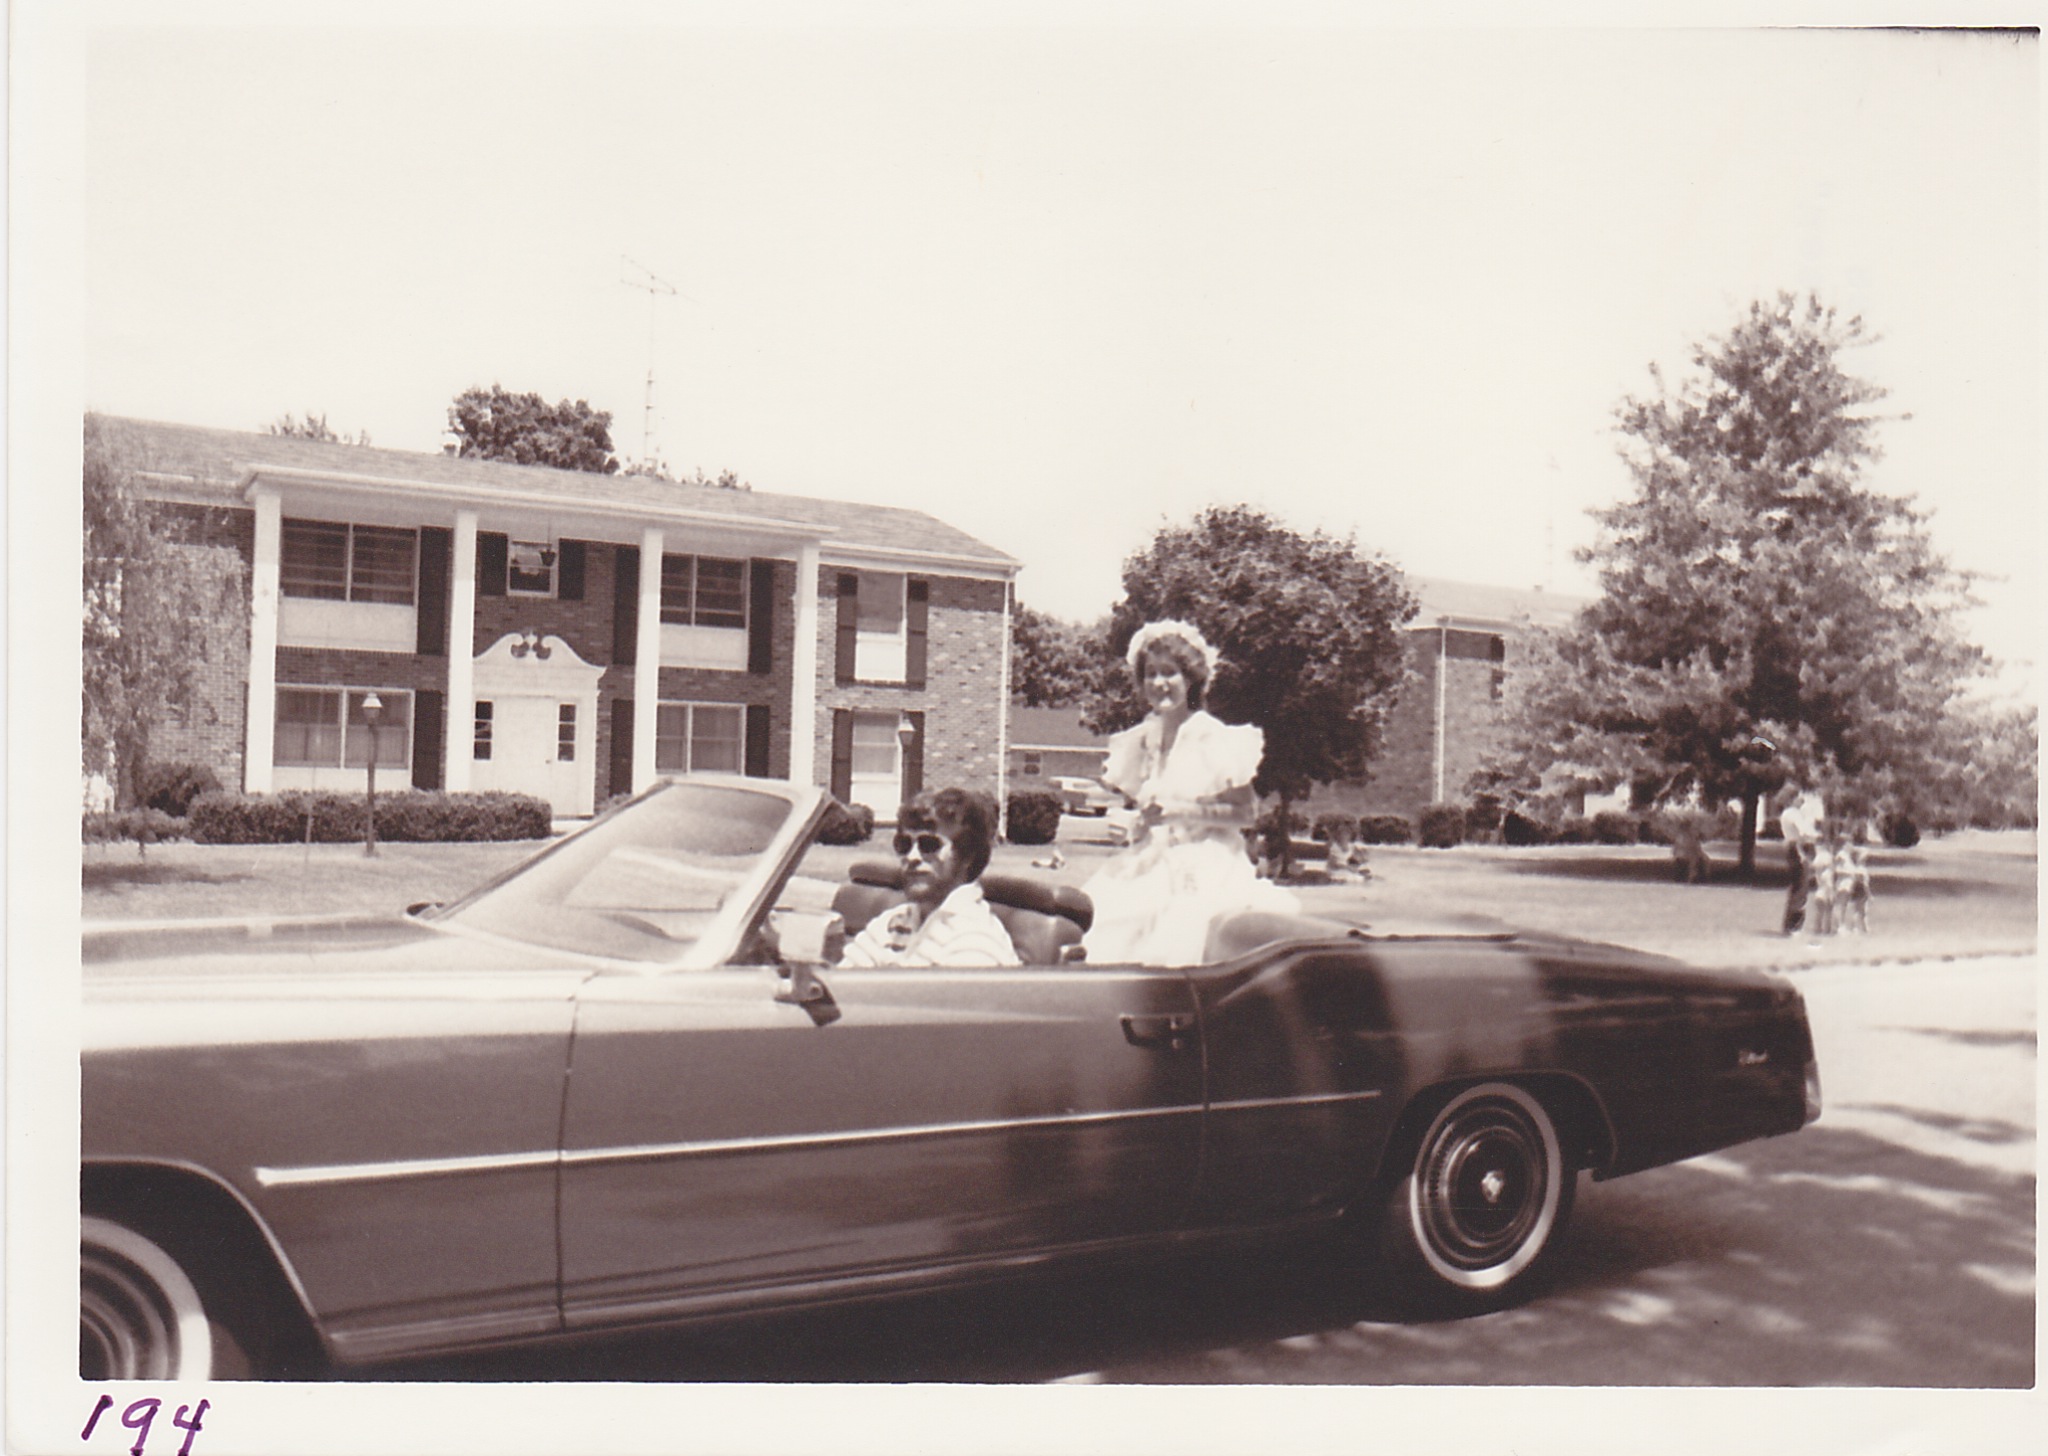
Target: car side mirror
[{"x": 806, "y": 942}]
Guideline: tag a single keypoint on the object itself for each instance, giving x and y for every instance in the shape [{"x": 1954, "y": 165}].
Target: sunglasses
[{"x": 930, "y": 846}]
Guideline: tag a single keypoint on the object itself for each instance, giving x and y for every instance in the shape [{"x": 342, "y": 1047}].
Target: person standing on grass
[{"x": 1800, "y": 820}]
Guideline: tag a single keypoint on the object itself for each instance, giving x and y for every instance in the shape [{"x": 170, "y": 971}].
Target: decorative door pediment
[{"x": 534, "y": 664}]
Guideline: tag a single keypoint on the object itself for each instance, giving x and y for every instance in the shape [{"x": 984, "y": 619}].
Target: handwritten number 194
[{"x": 139, "y": 1416}]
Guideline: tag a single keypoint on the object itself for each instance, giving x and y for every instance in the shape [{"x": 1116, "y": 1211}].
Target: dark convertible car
[{"x": 616, "y": 1087}]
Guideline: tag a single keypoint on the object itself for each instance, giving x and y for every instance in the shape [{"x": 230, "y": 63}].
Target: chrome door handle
[{"x": 1169, "y": 1031}]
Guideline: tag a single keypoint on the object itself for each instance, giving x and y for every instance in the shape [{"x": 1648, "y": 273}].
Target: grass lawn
[{"x": 1965, "y": 894}]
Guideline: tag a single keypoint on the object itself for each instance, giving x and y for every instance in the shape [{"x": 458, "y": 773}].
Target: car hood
[{"x": 252, "y": 950}]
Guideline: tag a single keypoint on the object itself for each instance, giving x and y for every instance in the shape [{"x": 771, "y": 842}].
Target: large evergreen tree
[
  {"x": 1308, "y": 629},
  {"x": 1764, "y": 616}
]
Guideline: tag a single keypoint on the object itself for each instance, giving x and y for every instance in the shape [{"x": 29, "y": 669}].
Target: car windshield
[{"x": 642, "y": 884}]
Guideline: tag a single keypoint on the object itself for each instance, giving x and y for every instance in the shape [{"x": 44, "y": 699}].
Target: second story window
[
  {"x": 703, "y": 591},
  {"x": 530, "y": 568},
  {"x": 339, "y": 562}
]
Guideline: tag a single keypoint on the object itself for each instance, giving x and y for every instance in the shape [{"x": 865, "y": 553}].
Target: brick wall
[
  {"x": 209, "y": 729},
  {"x": 1404, "y": 776},
  {"x": 963, "y": 697}
]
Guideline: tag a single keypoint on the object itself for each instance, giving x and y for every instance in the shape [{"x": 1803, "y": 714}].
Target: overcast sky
[{"x": 1059, "y": 285}]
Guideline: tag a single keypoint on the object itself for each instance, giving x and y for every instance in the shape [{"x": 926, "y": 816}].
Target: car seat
[{"x": 1045, "y": 921}]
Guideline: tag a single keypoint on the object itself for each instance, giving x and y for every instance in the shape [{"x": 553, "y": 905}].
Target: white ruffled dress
[{"x": 1155, "y": 903}]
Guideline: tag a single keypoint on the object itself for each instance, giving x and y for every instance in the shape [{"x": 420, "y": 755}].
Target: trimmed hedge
[
  {"x": 1334, "y": 829},
  {"x": 408, "y": 815},
  {"x": 846, "y": 824},
  {"x": 1442, "y": 826},
  {"x": 171, "y": 787},
  {"x": 1385, "y": 829},
  {"x": 1611, "y": 826},
  {"x": 1899, "y": 831},
  {"x": 1034, "y": 816},
  {"x": 143, "y": 827},
  {"x": 1517, "y": 828}
]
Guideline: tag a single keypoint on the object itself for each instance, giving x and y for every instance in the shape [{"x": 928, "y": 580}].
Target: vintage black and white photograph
[{"x": 861, "y": 727}]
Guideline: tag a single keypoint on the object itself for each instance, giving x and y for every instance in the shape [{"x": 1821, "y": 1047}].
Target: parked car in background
[
  {"x": 344, "y": 1143},
  {"x": 1086, "y": 796}
]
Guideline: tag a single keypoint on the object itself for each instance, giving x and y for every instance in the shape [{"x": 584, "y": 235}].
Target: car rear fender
[{"x": 216, "y": 1235}]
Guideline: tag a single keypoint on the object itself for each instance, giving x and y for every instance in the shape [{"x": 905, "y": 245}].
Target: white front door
[{"x": 527, "y": 745}]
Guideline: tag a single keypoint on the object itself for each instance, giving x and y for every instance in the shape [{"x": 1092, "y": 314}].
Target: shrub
[
  {"x": 1034, "y": 817},
  {"x": 1442, "y": 827},
  {"x": 1385, "y": 829},
  {"x": 846, "y": 824},
  {"x": 409, "y": 815},
  {"x": 1482, "y": 815},
  {"x": 1900, "y": 832},
  {"x": 1519, "y": 829},
  {"x": 1573, "y": 829},
  {"x": 1334, "y": 829},
  {"x": 143, "y": 826},
  {"x": 171, "y": 787},
  {"x": 1611, "y": 826}
]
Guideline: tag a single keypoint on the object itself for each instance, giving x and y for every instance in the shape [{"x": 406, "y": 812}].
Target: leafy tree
[
  {"x": 493, "y": 424},
  {"x": 1308, "y": 631},
  {"x": 313, "y": 427},
  {"x": 658, "y": 469},
  {"x": 1053, "y": 663},
  {"x": 146, "y": 595},
  {"x": 1764, "y": 617}
]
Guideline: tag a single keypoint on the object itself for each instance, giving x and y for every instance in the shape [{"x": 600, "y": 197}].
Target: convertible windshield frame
[{"x": 719, "y": 936}]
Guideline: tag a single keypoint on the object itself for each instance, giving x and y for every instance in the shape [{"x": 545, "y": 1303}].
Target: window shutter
[
  {"x": 761, "y": 616},
  {"x": 437, "y": 548},
  {"x": 756, "y": 762},
  {"x": 426, "y": 736},
  {"x": 917, "y": 617},
  {"x": 492, "y": 552},
  {"x": 569, "y": 572},
  {"x": 842, "y": 755},
  {"x": 622, "y": 746},
  {"x": 849, "y": 626},
  {"x": 913, "y": 758},
  {"x": 625, "y": 604}
]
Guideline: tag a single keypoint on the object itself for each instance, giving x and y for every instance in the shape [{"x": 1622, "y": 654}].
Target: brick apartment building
[
  {"x": 1448, "y": 716},
  {"x": 571, "y": 635}
]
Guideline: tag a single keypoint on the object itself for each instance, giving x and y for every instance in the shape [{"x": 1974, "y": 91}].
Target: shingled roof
[
  {"x": 200, "y": 463},
  {"x": 1476, "y": 603}
]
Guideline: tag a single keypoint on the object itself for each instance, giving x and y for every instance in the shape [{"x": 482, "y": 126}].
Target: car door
[{"x": 719, "y": 1142}]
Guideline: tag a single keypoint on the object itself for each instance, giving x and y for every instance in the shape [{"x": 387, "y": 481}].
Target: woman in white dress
[{"x": 1191, "y": 778}]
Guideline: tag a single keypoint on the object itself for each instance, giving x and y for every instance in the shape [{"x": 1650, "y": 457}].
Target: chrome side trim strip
[
  {"x": 787, "y": 1142},
  {"x": 780, "y": 1142},
  {"x": 1254, "y": 1103},
  {"x": 409, "y": 1168}
]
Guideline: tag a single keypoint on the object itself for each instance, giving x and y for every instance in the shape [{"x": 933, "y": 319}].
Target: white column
[
  {"x": 1003, "y": 713},
  {"x": 803, "y": 687},
  {"x": 458, "y": 747},
  {"x": 1443, "y": 662},
  {"x": 647, "y": 659},
  {"x": 260, "y": 731}
]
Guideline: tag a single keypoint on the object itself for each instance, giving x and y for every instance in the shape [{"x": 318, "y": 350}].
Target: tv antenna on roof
[{"x": 653, "y": 287}]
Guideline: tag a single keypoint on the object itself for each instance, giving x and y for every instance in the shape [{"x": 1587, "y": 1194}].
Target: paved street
[{"x": 1890, "y": 1244}]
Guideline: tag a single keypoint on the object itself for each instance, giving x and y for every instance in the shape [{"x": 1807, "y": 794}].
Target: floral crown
[{"x": 1186, "y": 632}]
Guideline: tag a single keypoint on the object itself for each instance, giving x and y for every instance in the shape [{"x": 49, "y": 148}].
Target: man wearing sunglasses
[{"x": 943, "y": 840}]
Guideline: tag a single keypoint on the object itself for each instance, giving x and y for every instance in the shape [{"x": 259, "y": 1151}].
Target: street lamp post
[{"x": 373, "y": 711}]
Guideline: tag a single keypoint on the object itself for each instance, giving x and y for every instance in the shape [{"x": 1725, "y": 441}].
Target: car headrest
[{"x": 1021, "y": 891}]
